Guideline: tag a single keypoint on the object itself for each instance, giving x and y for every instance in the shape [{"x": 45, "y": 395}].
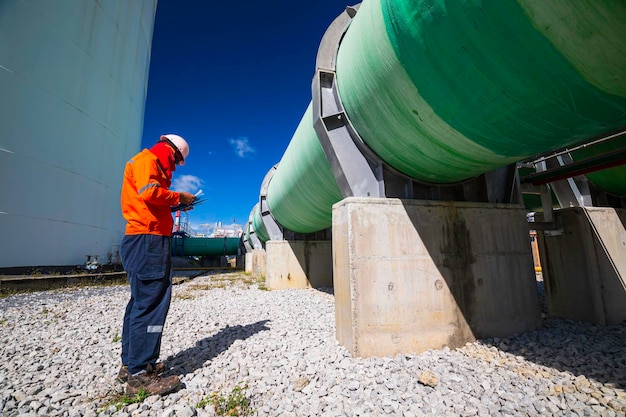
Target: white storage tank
[{"x": 73, "y": 80}]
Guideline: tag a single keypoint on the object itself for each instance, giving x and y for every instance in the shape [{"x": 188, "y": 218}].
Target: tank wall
[{"x": 74, "y": 80}]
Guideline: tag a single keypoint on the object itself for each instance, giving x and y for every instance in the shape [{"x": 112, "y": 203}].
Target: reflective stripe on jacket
[{"x": 146, "y": 198}]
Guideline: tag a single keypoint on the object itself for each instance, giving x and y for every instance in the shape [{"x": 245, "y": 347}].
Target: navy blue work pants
[{"x": 147, "y": 262}]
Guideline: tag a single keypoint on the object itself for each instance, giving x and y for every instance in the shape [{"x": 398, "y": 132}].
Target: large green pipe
[
  {"x": 304, "y": 176},
  {"x": 446, "y": 90},
  {"x": 259, "y": 227},
  {"x": 612, "y": 180},
  {"x": 205, "y": 246}
]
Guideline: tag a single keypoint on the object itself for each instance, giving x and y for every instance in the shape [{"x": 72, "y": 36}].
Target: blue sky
[{"x": 234, "y": 79}]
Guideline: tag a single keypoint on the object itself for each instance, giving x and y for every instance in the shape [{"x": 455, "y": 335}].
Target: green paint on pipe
[
  {"x": 259, "y": 226},
  {"x": 205, "y": 246},
  {"x": 572, "y": 27},
  {"x": 303, "y": 189},
  {"x": 532, "y": 202},
  {"x": 447, "y": 90},
  {"x": 444, "y": 91},
  {"x": 612, "y": 180},
  {"x": 389, "y": 114}
]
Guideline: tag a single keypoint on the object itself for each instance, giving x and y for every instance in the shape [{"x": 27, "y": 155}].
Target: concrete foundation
[
  {"x": 248, "y": 263},
  {"x": 415, "y": 275},
  {"x": 299, "y": 264},
  {"x": 255, "y": 263},
  {"x": 584, "y": 265}
]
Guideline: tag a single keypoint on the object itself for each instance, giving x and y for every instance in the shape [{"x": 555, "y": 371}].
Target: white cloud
[
  {"x": 241, "y": 146},
  {"x": 188, "y": 183}
]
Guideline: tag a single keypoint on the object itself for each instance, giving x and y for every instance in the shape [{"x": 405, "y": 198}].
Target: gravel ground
[{"x": 60, "y": 355}]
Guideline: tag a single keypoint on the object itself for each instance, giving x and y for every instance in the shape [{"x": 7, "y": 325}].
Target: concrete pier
[
  {"x": 583, "y": 263},
  {"x": 248, "y": 263},
  {"x": 415, "y": 275},
  {"x": 299, "y": 264},
  {"x": 256, "y": 263}
]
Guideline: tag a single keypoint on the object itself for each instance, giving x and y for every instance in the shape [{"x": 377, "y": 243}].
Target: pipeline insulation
[
  {"x": 446, "y": 90},
  {"x": 259, "y": 227},
  {"x": 303, "y": 189}
]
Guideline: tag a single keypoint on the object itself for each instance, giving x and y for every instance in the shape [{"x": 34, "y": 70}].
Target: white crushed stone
[{"x": 60, "y": 357}]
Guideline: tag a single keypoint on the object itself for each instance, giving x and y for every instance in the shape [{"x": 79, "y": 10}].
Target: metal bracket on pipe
[
  {"x": 274, "y": 229},
  {"x": 571, "y": 192},
  {"x": 356, "y": 174},
  {"x": 357, "y": 169},
  {"x": 254, "y": 242},
  {"x": 246, "y": 244}
]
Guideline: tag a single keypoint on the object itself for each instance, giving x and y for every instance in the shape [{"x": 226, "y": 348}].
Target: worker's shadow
[{"x": 208, "y": 348}]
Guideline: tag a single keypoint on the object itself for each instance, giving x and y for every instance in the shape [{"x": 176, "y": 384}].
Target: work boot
[
  {"x": 159, "y": 368},
  {"x": 151, "y": 383}
]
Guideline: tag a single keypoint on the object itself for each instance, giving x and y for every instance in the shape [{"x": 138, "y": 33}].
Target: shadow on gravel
[
  {"x": 208, "y": 348},
  {"x": 596, "y": 352},
  {"x": 326, "y": 290}
]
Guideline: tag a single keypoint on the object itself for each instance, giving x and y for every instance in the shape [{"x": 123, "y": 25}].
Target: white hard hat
[{"x": 179, "y": 143}]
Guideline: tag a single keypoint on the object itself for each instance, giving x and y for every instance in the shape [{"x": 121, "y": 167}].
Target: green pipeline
[
  {"x": 205, "y": 246},
  {"x": 303, "y": 189},
  {"x": 446, "y": 90},
  {"x": 259, "y": 227},
  {"x": 612, "y": 180}
]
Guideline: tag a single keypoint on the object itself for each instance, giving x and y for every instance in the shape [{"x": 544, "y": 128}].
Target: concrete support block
[
  {"x": 584, "y": 264},
  {"x": 415, "y": 275},
  {"x": 299, "y": 264},
  {"x": 257, "y": 263},
  {"x": 239, "y": 262},
  {"x": 248, "y": 263}
]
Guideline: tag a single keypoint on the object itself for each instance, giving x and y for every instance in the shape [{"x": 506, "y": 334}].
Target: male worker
[{"x": 145, "y": 251}]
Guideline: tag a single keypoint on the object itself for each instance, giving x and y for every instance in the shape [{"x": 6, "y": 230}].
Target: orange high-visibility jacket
[{"x": 146, "y": 199}]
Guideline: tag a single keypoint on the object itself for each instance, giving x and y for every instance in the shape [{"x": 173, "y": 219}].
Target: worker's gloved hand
[{"x": 187, "y": 198}]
